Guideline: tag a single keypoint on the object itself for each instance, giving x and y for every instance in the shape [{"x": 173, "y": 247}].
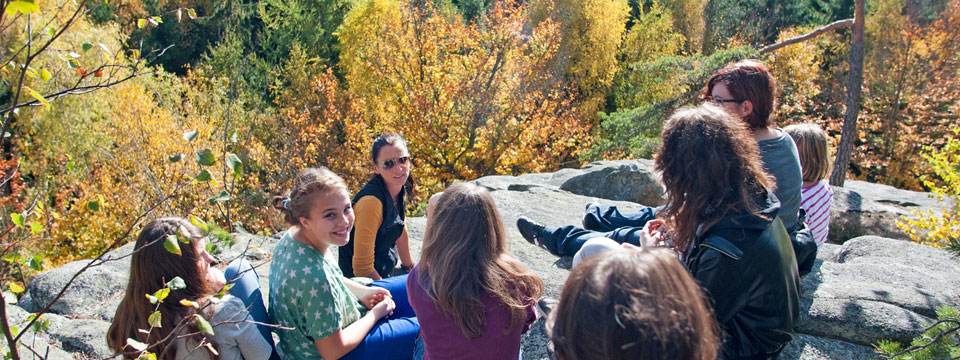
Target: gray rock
[
  {"x": 862, "y": 208},
  {"x": 94, "y": 294},
  {"x": 84, "y": 336},
  {"x": 630, "y": 180},
  {"x": 808, "y": 347},
  {"x": 41, "y": 343}
]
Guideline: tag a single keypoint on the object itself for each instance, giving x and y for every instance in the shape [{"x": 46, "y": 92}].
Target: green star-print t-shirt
[{"x": 307, "y": 294}]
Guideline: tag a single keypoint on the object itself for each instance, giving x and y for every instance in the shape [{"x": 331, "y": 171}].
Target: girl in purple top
[{"x": 473, "y": 299}]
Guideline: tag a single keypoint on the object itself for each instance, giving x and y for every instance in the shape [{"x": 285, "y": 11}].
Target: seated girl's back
[{"x": 473, "y": 299}]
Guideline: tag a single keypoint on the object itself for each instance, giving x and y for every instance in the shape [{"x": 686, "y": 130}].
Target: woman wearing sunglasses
[{"x": 379, "y": 236}]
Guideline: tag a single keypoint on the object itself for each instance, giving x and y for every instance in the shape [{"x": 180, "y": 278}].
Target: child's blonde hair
[{"x": 812, "y": 145}]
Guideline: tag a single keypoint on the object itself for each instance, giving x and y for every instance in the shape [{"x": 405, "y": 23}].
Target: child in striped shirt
[{"x": 816, "y": 192}]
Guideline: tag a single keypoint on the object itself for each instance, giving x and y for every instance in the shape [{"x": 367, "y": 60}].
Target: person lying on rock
[
  {"x": 380, "y": 238},
  {"x": 721, "y": 220},
  {"x": 632, "y": 304},
  {"x": 152, "y": 266},
  {"x": 330, "y": 316},
  {"x": 473, "y": 299},
  {"x": 747, "y": 90}
]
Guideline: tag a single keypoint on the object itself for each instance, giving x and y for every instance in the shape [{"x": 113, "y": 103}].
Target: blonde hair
[{"x": 812, "y": 145}]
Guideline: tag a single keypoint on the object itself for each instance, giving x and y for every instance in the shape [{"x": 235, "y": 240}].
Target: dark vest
[{"x": 385, "y": 248}]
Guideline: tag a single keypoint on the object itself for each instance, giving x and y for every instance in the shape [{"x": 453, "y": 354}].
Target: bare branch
[{"x": 839, "y": 24}]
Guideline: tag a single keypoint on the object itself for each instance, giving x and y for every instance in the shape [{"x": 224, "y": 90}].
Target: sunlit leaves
[
  {"x": 22, "y": 6},
  {"x": 233, "y": 162},
  {"x": 190, "y": 135},
  {"x": 155, "y": 319},
  {"x": 136, "y": 345},
  {"x": 221, "y": 196},
  {"x": 172, "y": 245},
  {"x": 203, "y": 324},
  {"x": 34, "y": 94}
]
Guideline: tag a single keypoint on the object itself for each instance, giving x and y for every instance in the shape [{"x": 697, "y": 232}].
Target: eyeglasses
[
  {"x": 720, "y": 100},
  {"x": 389, "y": 163}
]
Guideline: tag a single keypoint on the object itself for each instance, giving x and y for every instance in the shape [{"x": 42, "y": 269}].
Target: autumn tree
[
  {"x": 590, "y": 36},
  {"x": 471, "y": 100}
]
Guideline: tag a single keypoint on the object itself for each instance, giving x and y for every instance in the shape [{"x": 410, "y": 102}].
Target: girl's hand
[
  {"x": 374, "y": 295},
  {"x": 383, "y": 308},
  {"x": 652, "y": 233}
]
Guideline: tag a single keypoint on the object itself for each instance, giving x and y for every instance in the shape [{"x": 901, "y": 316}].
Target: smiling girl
[
  {"x": 380, "y": 236},
  {"x": 331, "y": 316}
]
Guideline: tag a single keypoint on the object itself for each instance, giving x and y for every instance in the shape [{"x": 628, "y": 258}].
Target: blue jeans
[
  {"x": 394, "y": 337},
  {"x": 604, "y": 221},
  {"x": 246, "y": 287}
]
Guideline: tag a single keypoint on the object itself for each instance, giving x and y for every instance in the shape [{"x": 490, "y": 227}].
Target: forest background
[{"x": 223, "y": 101}]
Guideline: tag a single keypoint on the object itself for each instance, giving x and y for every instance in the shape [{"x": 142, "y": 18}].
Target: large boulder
[{"x": 870, "y": 288}]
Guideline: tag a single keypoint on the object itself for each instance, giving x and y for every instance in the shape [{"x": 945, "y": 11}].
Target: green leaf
[
  {"x": 36, "y": 227},
  {"x": 32, "y": 73},
  {"x": 36, "y": 95},
  {"x": 233, "y": 136},
  {"x": 172, "y": 245},
  {"x": 190, "y": 135},
  {"x": 233, "y": 162},
  {"x": 11, "y": 257},
  {"x": 192, "y": 13},
  {"x": 156, "y": 20},
  {"x": 175, "y": 158},
  {"x": 204, "y": 175},
  {"x": 36, "y": 262},
  {"x": 199, "y": 223},
  {"x": 203, "y": 325},
  {"x": 73, "y": 63},
  {"x": 16, "y": 287},
  {"x": 14, "y": 330},
  {"x": 146, "y": 355},
  {"x": 205, "y": 157},
  {"x": 153, "y": 299},
  {"x": 176, "y": 284},
  {"x": 71, "y": 164},
  {"x": 86, "y": 47},
  {"x": 45, "y": 75},
  {"x": 17, "y": 219},
  {"x": 162, "y": 294},
  {"x": 93, "y": 205},
  {"x": 136, "y": 345},
  {"x": 222, "y": 196},
  {"x": 23, "y": 6},
  {"x": 154, "y": 319},
  {"x": 141, "y": 23}
]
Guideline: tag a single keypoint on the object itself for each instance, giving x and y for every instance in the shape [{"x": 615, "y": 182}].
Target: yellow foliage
[
  {"x": 796, "y": 68},
  {"x": 940, "y": 226}
]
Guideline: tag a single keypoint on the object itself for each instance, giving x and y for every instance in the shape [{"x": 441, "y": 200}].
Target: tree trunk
[
  {"x": 854, "y": 87},
  {"x": 706, "y": 44}
]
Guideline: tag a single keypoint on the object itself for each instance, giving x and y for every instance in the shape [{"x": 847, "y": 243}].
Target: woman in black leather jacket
[{"x": 721, "y": 219}]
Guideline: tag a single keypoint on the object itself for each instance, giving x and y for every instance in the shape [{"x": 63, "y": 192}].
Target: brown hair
[
  {"x": 749, "y": 80},
  {"x": 465, "y": 254},
  {"x": 710, "y": 167},
  {"x": 308, "y": 184},
  {"x": 396, "y": 140},
  {"x": 812, "y": 146},
  {"x": 151, "y": 267},
  {"x": 633, "y": 304}
]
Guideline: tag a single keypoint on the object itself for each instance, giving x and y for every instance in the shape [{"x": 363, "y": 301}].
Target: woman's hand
[
  {"x": 652, "y": 233},
  {"x": 383, "y": 308},
  {"x": 373, "y": 295}
]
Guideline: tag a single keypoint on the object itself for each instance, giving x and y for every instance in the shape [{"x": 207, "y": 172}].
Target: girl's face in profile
[
  {"x": 393, "y": 164},
  {"x": 213, "y": 275},
  {"x": 331, "y": 218}
]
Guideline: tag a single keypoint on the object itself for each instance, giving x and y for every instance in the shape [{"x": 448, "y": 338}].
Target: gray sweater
[
  {"x": 236, "y": 339},
  {"x": 780, "y": 159}
]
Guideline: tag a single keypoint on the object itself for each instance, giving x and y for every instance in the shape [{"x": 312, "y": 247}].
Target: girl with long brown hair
[
  {"x": 721, "y": 219},
  {"x": 178, "y": 336},
  {"x": 331, "y": 316},
  {"x": 473, "y": 298},
  {"x": 633, "y": 304}
]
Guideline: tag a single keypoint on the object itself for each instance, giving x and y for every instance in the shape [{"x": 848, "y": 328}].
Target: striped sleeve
[{"x": 816, "y": 204}]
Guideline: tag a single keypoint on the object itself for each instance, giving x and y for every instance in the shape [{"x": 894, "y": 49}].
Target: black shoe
[
  {"x": 586, "y": 215},
  {"x": 531, "y": 231},
  {"x": 546, "y": 305}
]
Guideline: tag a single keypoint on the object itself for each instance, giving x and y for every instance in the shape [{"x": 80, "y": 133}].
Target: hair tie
[{"x": 285, "y": 202}]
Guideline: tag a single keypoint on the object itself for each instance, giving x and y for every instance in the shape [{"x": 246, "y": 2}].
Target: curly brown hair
[{"x": 711, "y": 167}]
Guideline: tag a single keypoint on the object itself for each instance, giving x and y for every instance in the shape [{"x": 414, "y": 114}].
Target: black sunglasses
[
  {"x": 717, "y": 100},
  {"x": 389, "y": 163}
]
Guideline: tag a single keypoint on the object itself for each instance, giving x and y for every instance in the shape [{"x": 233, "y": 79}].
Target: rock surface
[{"x": 868, "y": 289}]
